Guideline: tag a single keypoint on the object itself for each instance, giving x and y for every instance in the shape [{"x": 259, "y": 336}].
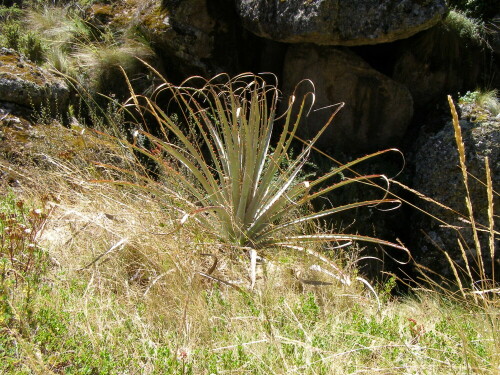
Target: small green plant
[
  {"x": 33, "y": 48},
  {"x": 482, "y": 101},
  {"x": 20, "y": 227},
  {"x": 29, "y": 43},
  {"x": 10, "y": 13},
  {"x": 387, "y": 289},
  {"x": 12, "y": 35}
]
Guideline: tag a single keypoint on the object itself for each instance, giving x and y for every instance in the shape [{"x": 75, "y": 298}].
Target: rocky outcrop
[
  {"x": 28, "y": 85},
  {"x": 345, "y": 23},
  {"x": 438, "y": 176},
  {"x": 377, "y": 110}
]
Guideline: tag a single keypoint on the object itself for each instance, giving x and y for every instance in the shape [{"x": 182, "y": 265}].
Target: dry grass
[{"x": 125, "y": 293}]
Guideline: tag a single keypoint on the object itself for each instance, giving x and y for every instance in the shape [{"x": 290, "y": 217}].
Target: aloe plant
[{"x": 233, "y": 181}]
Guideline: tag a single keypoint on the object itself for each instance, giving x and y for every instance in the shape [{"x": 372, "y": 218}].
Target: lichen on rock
[
  {"x": 346, "y": 23},
  {"x": 25, "y": 84}
]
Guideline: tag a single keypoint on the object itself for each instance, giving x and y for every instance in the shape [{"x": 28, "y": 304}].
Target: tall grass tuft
[
  {"x": 102, "y": 62},
  {"x": 484, "y": 283},
  {"x": 468, "y": 28}
]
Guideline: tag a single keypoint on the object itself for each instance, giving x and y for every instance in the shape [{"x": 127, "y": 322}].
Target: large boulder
[
  {"x": 377, "y": 109},
  {"x": 27, "y": 85},
  {"x": 345, "y": 23},
  {"x": 438, "y": 62},
  {"x": 438, "y": 176}
]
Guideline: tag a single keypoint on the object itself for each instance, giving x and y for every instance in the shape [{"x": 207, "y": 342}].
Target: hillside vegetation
[
  {"x": 101, "y": 279},
  {"x": 154, "y": 228}
]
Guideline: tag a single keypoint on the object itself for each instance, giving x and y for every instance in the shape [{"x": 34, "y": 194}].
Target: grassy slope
[{"x": 144, "y": 308}]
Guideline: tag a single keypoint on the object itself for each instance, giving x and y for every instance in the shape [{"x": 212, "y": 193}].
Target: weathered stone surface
[
  {"x": 437, "y": 175},
  {"x": 377, "y": 110},
  {"x": 346, "y": 23},
  {"x": 190, "y": 32},
  {"x": 195, "y": 37},
  {"x": 436, "y": 63},
  {"x": 28, "y": 85}
]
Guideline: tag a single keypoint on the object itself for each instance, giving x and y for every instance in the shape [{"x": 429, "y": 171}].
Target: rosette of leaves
[{"x": 231, "y": 177}]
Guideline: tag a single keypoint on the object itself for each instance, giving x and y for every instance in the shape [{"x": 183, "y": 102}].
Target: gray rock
[
  {"x": 437, "y": 175},
  {"x": 346, "y": 23},
  {"x": 25, "y": 84},
  {"x": 377, "y": 110},
  {"x": 436, "y": 63}
]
